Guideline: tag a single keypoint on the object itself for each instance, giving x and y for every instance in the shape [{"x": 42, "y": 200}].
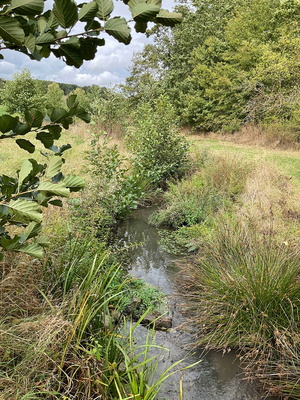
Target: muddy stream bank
[{"x": 217, "y": 376}]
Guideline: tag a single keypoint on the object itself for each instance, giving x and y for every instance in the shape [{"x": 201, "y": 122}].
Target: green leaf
[
  {"x": 33, "y": 249},
  {"x": 167, "y": 18},
  {"x": 25, "y": 170},
  {"x": 118, "y": 28},
  {"x": 105, "y": 8},
  {"x": 73, "y": 41},
  {"x": 42, "y": 24},
  {"x": 31, "y": 230},
  {"x": 144, "y": 12},
  {"x": 71, "y": 55},
  {"x": 74, "y": 183},
  {"x": 8, "y": 123},
  {"x": 3, "y": 211},
  {"x": 55, "y": 131},
  {"x": 88, "y": 11},
  {"x": 25, "y": 211},
  {"x": 58, "y": 189},
  {"x": 27, "y": 7},
  {"x": 43, "y": 241},
  {"x": 133, "y": 3},
  {"x": 30, "y": 43},
  {"x": 22, "y": 129},
  {"x": 61, "y": 34},
  {"x": 46, "y": 138},
  {"x": 11, "y": 31},
  {"x": 65, "y": 12},
  {"x": 140, "y": 26},
  {"x": 84, "y": 115},
  {"x": 34, "y": 118},
  {"x": 54, "y": 166},
  {"x": 60, "y": 150},
  {"x": 93, "y": 25},
  {"x": 89, "y": 47},
  {"x": 26, "y": 145},
  {"x": 58, "y": 114},
  {"x": 56, "y": 202},
  {"x": 72, "y": 101},
  {"x": 45, "y": 38},
  {"x": 156, "y": 2}
]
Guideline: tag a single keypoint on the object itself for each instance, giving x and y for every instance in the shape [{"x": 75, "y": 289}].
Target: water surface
[{"x": 217, "y": 376}]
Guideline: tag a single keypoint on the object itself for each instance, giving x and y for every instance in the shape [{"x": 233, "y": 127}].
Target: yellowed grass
[
  {"x": 78, "y": 136},
  {"x": 286, "y": 161},
  {"x": 270, "y": 205}
]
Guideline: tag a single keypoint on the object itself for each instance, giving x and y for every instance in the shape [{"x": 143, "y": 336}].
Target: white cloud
[
  {"x": 109, "y": 66},
  {"x": 7, "y": 69}
]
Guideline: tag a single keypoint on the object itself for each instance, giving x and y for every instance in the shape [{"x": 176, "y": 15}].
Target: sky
[{"x": 108, "y": 68}]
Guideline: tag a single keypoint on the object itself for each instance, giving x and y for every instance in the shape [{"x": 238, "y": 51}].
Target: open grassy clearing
[{"x": 287, "y": 161}]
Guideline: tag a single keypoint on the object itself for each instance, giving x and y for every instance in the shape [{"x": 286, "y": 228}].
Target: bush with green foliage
[
  {"x": 160, "y": 152},
  {"x": 23, "y": 93},
  {"x": 55, "y": 96},
  {"x": 196, "y": 199},
  {"x": 115, "y": 188},
  {"x": 218, "y": 79}
]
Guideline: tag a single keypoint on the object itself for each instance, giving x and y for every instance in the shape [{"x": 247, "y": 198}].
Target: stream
[{"x": 216, "y": 376}]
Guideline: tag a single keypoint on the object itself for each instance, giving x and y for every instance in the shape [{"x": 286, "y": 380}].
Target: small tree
[
  {"x": 81, "y": 97},
  {"x": 23, "y": 93},
  {"x": 55, "y": 96},
  {"x": 160, "y": 152}
]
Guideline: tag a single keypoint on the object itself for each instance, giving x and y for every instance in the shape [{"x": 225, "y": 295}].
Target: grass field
[{"x": 286, "y": 161}]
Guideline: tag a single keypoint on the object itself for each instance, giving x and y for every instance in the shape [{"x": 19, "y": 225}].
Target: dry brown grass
[
  {"x": 19, "y": 297},
  {"x": 269, "y": 204},
  {"x": 273, "y": 137}
]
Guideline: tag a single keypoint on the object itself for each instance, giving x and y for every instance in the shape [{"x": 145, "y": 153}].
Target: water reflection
[{"x": 216, "y": 377}]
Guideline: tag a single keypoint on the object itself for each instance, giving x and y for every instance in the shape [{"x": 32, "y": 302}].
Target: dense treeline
[
  {"x": 227, "y": 64},
  {"x": 24, "y": 92}
]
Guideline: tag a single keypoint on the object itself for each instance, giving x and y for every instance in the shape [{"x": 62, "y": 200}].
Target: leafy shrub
[
  {"x": 195, "y": 199},
  {"x": 160, "y": 153},
  {"x": 114, "y": 188}
]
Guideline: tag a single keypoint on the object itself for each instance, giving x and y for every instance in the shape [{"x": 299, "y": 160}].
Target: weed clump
[{"x": 198, "y": 198}]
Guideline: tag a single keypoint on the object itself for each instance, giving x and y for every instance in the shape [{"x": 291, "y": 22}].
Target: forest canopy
[{"x": 227, "y": 64}]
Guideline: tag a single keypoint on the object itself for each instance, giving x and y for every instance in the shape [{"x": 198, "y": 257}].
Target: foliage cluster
[
  {"x": 36, "y": 185},
  {"x": 197, "y": 198},
  {"x": 218, "y": 80},
  {"x": 114, "y": 187},
  {"x": 160, "y": 153}
]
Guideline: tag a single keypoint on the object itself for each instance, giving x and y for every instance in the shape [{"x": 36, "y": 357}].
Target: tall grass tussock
[{"x": 241, "y": 286}]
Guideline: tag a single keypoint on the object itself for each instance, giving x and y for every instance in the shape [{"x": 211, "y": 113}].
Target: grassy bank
[{"x": 239, "y": 215}]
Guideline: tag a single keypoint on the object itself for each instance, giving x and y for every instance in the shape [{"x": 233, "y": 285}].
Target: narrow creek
[{"x": 217, "y": 376}]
